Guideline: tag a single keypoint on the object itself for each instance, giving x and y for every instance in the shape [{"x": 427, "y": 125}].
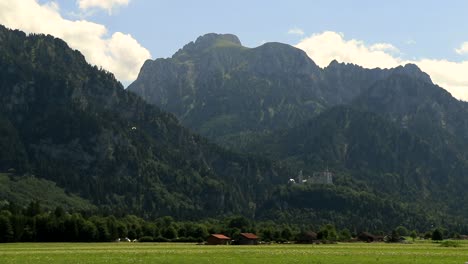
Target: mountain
[
  {"x": 389, "y": 134},
  {"x": 389, "y": 159},
  {"x": 72, "y": 134},
  {"x": 220, "y": 88},
  {"x": 74, "y": 125},
  {"x": 346, "y": 81},
  {"x": 374, "y": 161},
  {"x": 230, "y": 93},
  {"x": 421, "y": 107},
  {"x": 295, "y": 91}
]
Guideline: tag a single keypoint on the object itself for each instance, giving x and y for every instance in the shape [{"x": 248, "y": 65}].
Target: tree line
[{"x": 35, "y": 224}]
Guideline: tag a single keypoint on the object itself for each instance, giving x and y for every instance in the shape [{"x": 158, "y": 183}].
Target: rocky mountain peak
[
  {"x": 333, "y": 63},
  {"x": 213, "y": 39},
  {"x": 208, "y": 41},
  {"x": 276, "y": 58},
  {"x": 412, "y": 70}
]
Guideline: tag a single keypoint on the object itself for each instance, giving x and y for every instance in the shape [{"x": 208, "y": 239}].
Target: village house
[
  {"x": 218, "y": 239},
  {"x": 248, "y": 239}
]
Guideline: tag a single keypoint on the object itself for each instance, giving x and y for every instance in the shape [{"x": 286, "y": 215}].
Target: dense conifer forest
[{"x": 84, "y": 159}]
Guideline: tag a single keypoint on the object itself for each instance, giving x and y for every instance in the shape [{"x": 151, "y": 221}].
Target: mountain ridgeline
[
  {"x": 220, "y": 88},
  {"x": 228, "y": 92},
  {"x": 394, "y": 141},
  {"x": 392, "y": 133}
]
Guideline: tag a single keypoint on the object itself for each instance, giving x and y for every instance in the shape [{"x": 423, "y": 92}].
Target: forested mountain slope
[
  {"x": 391, "y": 133},
  {"x": 74, "y": 124}
]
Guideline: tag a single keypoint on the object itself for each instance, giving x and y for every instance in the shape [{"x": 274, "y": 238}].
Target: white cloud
[
  {"x": 328, "y": 46},
  {"x": 463, "y": 49},
  {"x": 325, "y": 47},
  {"x": 119, "y": 53},
  {"x": 448, "y": 74},
  {"x": 384, "y": 47},
  {"x": 296, "y": 31},
  {"x": 103, "y": 4}
]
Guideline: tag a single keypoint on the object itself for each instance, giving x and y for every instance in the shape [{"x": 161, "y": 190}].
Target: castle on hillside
[{"x": 322, "y": 177}]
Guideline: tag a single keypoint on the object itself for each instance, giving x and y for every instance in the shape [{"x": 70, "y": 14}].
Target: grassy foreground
[{"x": 189, "y": 253}]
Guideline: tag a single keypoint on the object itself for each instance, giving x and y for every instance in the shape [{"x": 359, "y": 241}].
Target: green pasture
[{"x": 189, "y": 253}]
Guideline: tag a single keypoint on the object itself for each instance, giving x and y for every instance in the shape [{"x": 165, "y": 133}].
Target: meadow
[{"x": 419, "y": 252}]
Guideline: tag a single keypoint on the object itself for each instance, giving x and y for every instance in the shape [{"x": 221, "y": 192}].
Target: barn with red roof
[
  {"x": 248, "y": 239},
  {"x": 218, "y": 239}
]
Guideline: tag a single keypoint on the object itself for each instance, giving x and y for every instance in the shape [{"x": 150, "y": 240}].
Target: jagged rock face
[
  {"x": 225, "y": 91},
  {"x": 346, "y": 81},
  {"x": 416, "y": 104},
  {"x": 221, "y": 88},
  {"x": 406, "y": 96},
  {"x": 228, "y": 93}
]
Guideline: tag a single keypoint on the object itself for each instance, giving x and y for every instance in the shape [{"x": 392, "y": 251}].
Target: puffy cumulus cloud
[
  {"x": 119, "y": 53},
  {"x": 448, "y": 74},
  {"x": 325, "y": 47},
  {"x": 328, "y": 46},
  {"x": 463, "y": 48},
  {"x": 128, "y": 52},
  {"x": 103, "y": 4},
  {"x": 296, "y": 31}
]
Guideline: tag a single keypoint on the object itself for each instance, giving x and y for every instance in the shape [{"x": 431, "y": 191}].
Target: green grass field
[{"x": 188, "y": 253}]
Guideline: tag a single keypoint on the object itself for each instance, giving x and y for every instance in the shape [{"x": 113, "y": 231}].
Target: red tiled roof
[
  {"x": 220, "y": 236},
  {"x": 249, "y": 235}
]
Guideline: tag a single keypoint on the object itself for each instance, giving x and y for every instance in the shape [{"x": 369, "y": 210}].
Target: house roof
[
  {"x": 220, "y": 236},
  {"x": 249, "y": 235}
]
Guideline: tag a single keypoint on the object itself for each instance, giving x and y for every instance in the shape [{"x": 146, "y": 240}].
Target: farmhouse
[
  {"x": 218, "y": 239},
  {"x": 248, "y": 239}
]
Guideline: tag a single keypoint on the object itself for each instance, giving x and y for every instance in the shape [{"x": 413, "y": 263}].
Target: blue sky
[
  {"x": 432, "y": 34},
  {"x": 164, "y": 26}
]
